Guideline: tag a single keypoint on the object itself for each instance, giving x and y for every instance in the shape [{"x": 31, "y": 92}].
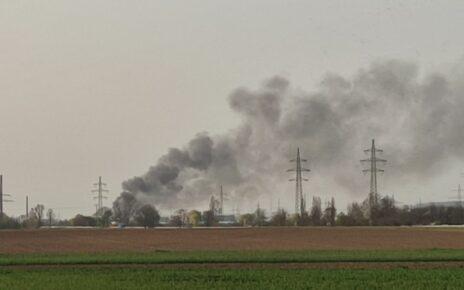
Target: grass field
[
  {"x": 216, "y": 257},
  {"x": 236, "y": 270},
  {"x": 109, "y": 278},
  {"x": 84, "y": 266}
]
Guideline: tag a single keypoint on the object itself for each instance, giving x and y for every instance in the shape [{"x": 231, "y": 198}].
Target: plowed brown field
[{"x": 112, "y": 240}]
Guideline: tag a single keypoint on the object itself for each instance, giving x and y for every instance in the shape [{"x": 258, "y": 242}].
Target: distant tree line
[{"x": 385, "y": 213}]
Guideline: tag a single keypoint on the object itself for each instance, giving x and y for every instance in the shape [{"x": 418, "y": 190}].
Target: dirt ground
[{"x": 112, "y": 240}]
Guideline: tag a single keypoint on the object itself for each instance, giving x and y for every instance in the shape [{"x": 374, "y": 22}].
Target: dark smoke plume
[{"x": 417, "y": 119}]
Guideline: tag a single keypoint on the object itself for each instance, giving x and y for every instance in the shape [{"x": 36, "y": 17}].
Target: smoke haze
[{"x": 416, "y": 119}]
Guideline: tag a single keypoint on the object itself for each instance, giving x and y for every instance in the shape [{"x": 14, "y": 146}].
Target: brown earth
[{"x": 112, "y": 240}]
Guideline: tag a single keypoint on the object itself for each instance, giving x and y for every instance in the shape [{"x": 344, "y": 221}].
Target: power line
[{"x": 300, "y": 203}]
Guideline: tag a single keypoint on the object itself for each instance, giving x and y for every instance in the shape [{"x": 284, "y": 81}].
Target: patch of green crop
[
  {"x": 151, "y": 278},
  {"x": 237, "y": 257}
]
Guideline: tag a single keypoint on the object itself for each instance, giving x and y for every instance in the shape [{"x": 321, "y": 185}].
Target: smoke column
[{"x": 417, "y": 119}]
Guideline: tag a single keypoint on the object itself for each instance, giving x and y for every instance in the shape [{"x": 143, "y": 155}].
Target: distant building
[
  {"x": 164, "y": 220},
  {"x": 439, "y": 204},
  {"x": 226, "y": 220}
]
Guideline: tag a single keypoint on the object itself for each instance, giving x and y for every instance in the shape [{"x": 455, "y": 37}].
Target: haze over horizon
[{"x": 110, "y": 95}]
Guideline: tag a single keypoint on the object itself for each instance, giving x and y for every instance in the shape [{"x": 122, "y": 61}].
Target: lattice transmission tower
[
  {"x": 300, "y": 202},
  {"x": 373, "y": 197},
  {"x": 459, "y": 192},
  {"x": 99, "y": 191},
  {"x": 2, "y": 197},
  {"x": 221, "y": 202}
]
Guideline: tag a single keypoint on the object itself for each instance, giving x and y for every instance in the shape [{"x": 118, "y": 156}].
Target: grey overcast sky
[{"x": 91, "y": 88}]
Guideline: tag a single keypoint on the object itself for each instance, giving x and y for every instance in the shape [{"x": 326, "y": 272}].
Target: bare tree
[
  {"x": 316, "y": 212},
  {"x": 50, "y": 216},
  {"x": 279, "y": 218},
  {"x": 259, "y": 217},
  {"x": 39, "y": 211},
  {"x": 208, "y": 218},
  {"x": 179, "y": 219},
  {"x": 330, "y": 213}
]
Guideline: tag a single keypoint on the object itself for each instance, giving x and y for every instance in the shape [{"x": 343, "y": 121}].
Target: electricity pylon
[
  {"x": 99, "y": 191},
  {"x": 459, "y": 191},
  {"x": 373, "y": 198},
  {"x": 300, "y": 203},
  {"x": 221, "y": 202},
  {"x": 2, "y": 196}
]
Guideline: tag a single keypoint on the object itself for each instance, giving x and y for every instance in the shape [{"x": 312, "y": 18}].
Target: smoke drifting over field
[{"x": 416, "y": 119}]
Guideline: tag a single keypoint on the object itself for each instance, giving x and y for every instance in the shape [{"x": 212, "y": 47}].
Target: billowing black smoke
[{"x": 417, "y": 120}]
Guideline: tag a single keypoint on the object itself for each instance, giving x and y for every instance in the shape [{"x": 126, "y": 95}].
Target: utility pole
[
  {"x": 2, "y": 196},
  {"x": 300, "y": 203},
  {"x": 460, "y": 208},
  {"x": 270, "y": 206},
  {"x": 99, "y": 191},
  {"x": 373, "y": 160},
  {"x": 459, "y": 197},
  {"x": 221, "y": 202},
  {"x": 214, "y": 205},
  {"x": 237, "y": 210},
  {"x": 27, "y": 207}
]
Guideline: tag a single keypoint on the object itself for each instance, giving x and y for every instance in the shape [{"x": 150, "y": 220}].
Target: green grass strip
[
  {"x": 140, "y": 279},
  {"x": 431, "y": 255}
]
